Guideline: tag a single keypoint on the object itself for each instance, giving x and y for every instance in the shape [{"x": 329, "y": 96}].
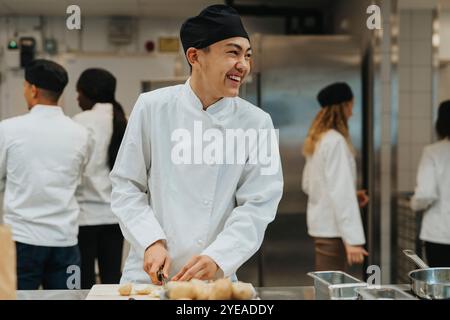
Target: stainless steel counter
[
  {"x": 265, "y": 293},
  {"x": 286, "y": 293},
  {"x": 52, "y": 294}
]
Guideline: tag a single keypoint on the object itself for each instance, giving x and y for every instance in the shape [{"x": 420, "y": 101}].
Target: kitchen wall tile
[
  {"x": 405, "y": 24},
  {"x": 404, "y": 53},
  {"x": 421, "y": 131},
  {"x": 416, "y": 155},
  {"x": 403, "y": 181},
  {"x": 421, "y": 105},
  {"x": 404, "y": 81},
  {"x": 405, "y": 108},
  {"x": 404, "y": 157},
  {"x": 421, "y": 53},
  {"x": 421, "y": 79},
  {"x": 404, "y": 130},
  {"x": 421, "y": 24}
]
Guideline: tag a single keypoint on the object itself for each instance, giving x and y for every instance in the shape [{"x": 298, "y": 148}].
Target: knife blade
[{"x": 162, "y": 278}]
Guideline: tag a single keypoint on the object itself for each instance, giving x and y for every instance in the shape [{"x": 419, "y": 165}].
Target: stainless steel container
[
  {"x": 383, "y": 293},
  {"x": 335, "y": 285}
]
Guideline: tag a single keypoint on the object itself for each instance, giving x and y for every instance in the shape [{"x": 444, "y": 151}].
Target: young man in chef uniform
[
  {"x": 42, "y": 156},
  {"x": 194, "y": 220}
]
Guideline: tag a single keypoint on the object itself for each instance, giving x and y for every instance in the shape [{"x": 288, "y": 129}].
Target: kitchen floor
[{"x": 287, "y": 255}]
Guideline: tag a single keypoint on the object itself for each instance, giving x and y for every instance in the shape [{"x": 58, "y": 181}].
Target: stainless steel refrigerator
[{"x": 287, "y": 74}]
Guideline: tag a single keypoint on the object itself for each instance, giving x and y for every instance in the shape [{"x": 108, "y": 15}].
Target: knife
[{"x": 161, "y": 278}]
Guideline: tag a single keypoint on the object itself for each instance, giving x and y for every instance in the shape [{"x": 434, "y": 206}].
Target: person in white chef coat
[
  {"x": 42, "y": 156},
  {"x": 199, "y": 219},
  {"x": 99, "y": 237},
  {"x": 329, "y": 180},
  {"x": 432, "y": 193}
]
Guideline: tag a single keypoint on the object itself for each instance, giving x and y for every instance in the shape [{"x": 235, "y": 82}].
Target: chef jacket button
[
  {"x": 200, "y": 242},
  {"x": 205, "y": 202}
]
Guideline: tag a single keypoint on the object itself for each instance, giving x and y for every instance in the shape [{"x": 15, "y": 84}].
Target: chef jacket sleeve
[
  {"x": 426, "y": 192},
  {"x": 341, "y": 189},
  {"x": 3, "y": 151},
  {"x": 130, "y": 194},
  {"x": 89, "y": 152},
  {"x": 257, "y": 196}
]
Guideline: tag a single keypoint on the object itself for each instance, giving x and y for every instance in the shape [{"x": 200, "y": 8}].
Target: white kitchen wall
[
  {"x": 444, "y": 56},
  {"x": 444, "y": 81},
  {"x": 444, "y": 34},
  {"x": 416, "y": 100},
  {"x": 90, "y": 47}
]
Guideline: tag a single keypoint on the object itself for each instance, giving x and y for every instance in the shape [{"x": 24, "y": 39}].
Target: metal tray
[
  {"x": 335, "y": 285},
  {"x": 383, "y": 293}
]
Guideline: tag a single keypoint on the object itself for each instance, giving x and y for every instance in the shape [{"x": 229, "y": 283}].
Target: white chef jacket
[
  {"x": 329, "y": 180},
  {"x": 217, "y": 210},
  {"x": 42, "y": 155},
  {"x": 94, "y": 193},
  {"x": 432, "y": 192}
]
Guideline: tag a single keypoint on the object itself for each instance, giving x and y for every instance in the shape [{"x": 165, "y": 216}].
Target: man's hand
[
  {"x": 199, "y": 267},
  {"x": 355, "y": 254},
  {"x": 156, "y": 257},
  {"x": 363, "y": 198}
]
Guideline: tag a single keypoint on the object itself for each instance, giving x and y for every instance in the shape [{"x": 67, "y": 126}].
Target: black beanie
[
  {"x": 335, "y": 93},
  {"x": 215, "y": 23}
]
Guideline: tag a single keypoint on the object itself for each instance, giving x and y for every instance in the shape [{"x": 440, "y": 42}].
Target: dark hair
[
  {"x": 51, "y": 95},
  {"x": 48, "y": 76},
  {"x": 99, "y": 86},
  {"x": 443, "y": 120}
]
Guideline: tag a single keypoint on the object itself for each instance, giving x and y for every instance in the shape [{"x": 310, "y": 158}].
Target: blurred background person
[
  {"x": 329, "y": 179},
  {"x": 432, "y": 193},
  {"x": 42, "y": 156},
  {"x": 99, "y": 237}
]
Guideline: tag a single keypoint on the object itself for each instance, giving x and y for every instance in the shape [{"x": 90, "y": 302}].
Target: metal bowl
[{"x": 431, "y": 283}]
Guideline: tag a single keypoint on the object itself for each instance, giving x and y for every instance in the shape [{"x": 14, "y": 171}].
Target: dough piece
[
  {"x": 221, "y": 290},
  {"x": 180, "y": 290},
  {"x": 243, "y": 291},
  {"x": 125, "y": 289},
  {"x": 201, "y": 288},
  {"x": 143, "y": 289}
]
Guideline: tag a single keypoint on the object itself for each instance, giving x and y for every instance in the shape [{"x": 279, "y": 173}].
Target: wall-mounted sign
[{"x": 169, "y": 44}]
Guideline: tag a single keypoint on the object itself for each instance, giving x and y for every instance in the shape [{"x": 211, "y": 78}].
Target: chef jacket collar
[
  {"x": 223, "y": 104},
  {"x": 102, "y": 106},
  {"x": 46, "y": 109}
]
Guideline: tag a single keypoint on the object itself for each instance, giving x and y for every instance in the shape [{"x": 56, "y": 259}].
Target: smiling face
[{"x": 221, "y": 69}]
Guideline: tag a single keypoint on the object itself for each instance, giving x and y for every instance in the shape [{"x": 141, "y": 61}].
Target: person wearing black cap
[
  {"x": 329, "y": 180},
  {"x": 42, "y": 156},
  {"x": 99, "y": 235},
  {"x": 197, "y": 219}
]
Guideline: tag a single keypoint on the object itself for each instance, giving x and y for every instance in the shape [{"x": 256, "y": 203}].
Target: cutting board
[{"x": 111, "y": 292}]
